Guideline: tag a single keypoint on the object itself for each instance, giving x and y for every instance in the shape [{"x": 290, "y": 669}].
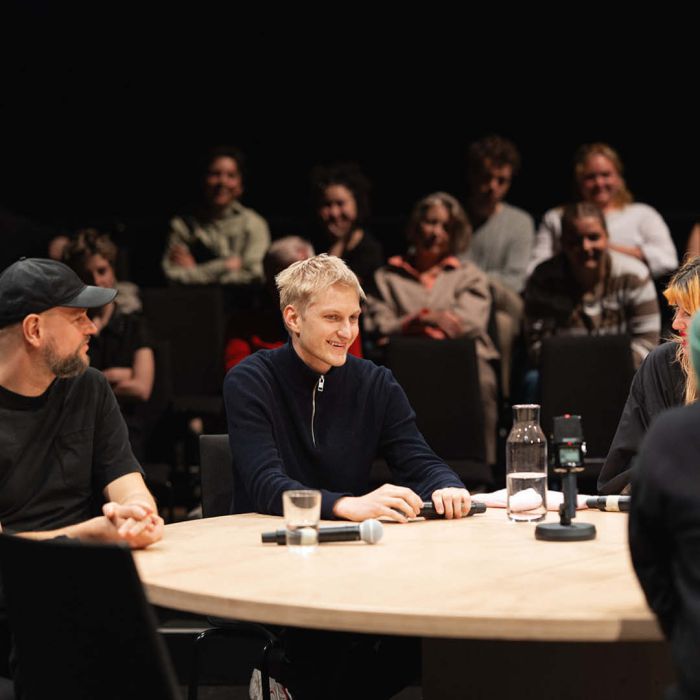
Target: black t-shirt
[
  {"x": 365, "y": 259},
  {"x": 58, "y": 451}
]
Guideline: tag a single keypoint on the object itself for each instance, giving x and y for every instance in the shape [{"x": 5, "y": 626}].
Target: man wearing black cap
[{"x": 63, "y": 443}]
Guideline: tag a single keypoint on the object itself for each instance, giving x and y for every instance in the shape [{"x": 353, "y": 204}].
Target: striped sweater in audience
[{"x": 623, "y": 302}]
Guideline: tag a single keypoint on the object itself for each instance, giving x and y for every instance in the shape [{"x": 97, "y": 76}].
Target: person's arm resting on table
[
  {"x": 412, "y": 460},
  {"x": 400, "y": 503},
  {"x": 130, "y": 516}
]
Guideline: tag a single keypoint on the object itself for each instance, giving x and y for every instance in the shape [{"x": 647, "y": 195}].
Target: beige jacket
[{"x": 400, "y": 295}]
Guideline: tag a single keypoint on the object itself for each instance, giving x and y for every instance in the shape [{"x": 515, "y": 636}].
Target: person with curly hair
[{"x": 341, "y": 201}]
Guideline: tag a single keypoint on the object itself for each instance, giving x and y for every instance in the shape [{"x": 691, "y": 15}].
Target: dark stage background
[{"x": 104, "y": 120}]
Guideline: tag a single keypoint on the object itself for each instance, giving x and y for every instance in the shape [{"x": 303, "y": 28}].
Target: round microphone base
[{"x": 556, "y": 532}]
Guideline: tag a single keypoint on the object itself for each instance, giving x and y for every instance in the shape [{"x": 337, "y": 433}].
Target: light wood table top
[{"x": 478, "y": 578}]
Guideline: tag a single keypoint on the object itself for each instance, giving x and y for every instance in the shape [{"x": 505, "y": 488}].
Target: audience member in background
[
  {"x": 590, "y": 289},
  {"x": 430, "y": 292},
  {"x": 664, "y": 530},
  {"x": 224, "y": 243},
  {"x": 635, "y": 229},
  {"x": 121, "y": 347},
  {"x": 503, "y": 236},
  {"x": 341, "y": 199},
  {"x": 665, "y": 379},
  {"x": 56, "y": 247}
]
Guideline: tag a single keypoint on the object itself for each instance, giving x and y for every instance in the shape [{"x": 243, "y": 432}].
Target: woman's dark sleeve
[
  {"x": 616, "y": 473},
  {"x": 656, "y": 387}
]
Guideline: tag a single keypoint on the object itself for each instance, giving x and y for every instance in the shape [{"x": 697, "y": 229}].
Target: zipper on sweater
[{"x": 319, "y": 387}]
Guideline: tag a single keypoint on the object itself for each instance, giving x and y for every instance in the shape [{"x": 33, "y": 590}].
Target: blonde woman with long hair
[
  {"x": 665, "y": 379},
  {"x": 635, "y": 229}
]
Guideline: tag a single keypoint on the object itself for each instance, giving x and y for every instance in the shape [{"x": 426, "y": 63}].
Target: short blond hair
[{"x": 301, "y": 280}]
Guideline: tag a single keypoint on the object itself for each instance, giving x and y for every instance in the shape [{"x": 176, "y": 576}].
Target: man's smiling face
[{"x": 324, "y": 330}]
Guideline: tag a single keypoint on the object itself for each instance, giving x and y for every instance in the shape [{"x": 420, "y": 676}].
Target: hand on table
[
  {"x": 136, "y": 523},
  {"x": 453, "y": 502},
  {"x": 393, "y": 502}
]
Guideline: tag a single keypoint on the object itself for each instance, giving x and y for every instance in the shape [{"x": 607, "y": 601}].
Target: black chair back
[
  {"x": 216, "y": 469},
  {"x": 81, "y": 623},
  {"x": 192, "y": 320},
  {"x": 441, "y": 380},
  {"x": 588, "y": 376}
]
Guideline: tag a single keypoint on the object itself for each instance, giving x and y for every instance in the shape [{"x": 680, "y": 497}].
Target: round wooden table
[{"x": 480, "y": 578}]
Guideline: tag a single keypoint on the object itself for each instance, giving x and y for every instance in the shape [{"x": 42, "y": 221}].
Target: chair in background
[
  {"x": 81, "y": 623},
  {"x": 217, "y": 496},
  {"x": 192, "y": 320},
  {"x": 588, "y": 376},
  {"x": 441, "y": 381},
  {"x": 217, "y": 475}
]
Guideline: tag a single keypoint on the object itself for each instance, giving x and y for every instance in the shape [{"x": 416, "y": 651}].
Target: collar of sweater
[{"x": 297, "y": 373}]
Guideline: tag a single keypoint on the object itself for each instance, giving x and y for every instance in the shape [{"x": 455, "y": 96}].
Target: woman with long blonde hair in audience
[
  {"x": 635, "y": 229},
  {"x": 665, "y": 379}
]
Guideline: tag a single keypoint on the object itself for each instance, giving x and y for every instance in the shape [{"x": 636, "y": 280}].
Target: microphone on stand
[{"x": 369, "y": 531}]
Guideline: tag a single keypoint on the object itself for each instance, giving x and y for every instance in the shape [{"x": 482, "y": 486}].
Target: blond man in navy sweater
[{"x": 308, "y": 415}]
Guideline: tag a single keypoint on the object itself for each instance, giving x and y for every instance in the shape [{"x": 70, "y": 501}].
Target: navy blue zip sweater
[{"x": 291, "y": 428}]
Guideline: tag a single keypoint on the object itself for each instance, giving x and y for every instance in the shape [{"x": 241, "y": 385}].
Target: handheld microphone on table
[
  {"x": 429, "y": 513},
  {"x": 619, "y": 504},
  {"x": 369, "y": 531},
  {"x": 568, "y": 451}
]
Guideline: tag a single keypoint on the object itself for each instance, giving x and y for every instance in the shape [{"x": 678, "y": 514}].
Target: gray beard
[{"x": 64, "y": 367}]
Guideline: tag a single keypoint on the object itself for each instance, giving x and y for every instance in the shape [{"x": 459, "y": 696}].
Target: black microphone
[
  {"x": 369, "y": 531},
  {"x": 429, "y": 513},
  {"x": 610, "y": 503}
]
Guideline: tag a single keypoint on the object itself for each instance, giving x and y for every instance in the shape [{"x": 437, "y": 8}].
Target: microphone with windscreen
[{"x": 369, "y": 531}]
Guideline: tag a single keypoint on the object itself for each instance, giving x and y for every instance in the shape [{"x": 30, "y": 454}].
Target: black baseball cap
[{"x": 33, "y": 285}]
